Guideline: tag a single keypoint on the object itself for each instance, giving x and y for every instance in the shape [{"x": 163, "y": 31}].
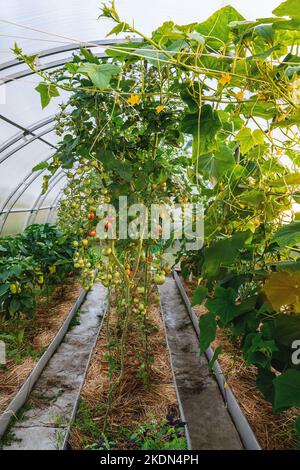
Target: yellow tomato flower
[
  {"x": 225, "y": 385},
  {"x": 225, "y": 78},
  {"x": 281, "y": 117},
  {"x": 239, "y": 95},
  {"x": 52, "y": 269},
  {"x": 133, "y": 100},
  {"x": 160, "y": 108},
  {"x": 261, "y": 96}
]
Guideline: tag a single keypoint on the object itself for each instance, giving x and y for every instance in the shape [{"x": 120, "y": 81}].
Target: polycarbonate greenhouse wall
[{"x": 55, "y": 29}]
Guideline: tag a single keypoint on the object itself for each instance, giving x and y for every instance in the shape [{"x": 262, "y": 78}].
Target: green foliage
[
  {"x": 208, "y": 329},
  {"x": 288, "y": 235},
  {"x": 101, "y": 74},
  {"x": 223, "y": 253},
  {"x": 42, "y": 255},
  {"x": 287, "y": 390},
  {"x": 47, "y": 92},
  {"x": 289, "y": 8},
  {"x": 160, "y": 436},
  {"x": 186, "y": 115},
  {"x": 203, "y": 127},
  {"x": 248, "y": 139},
  {"x": 199, "y": 295},
  {"x": 216, "y": 29}
]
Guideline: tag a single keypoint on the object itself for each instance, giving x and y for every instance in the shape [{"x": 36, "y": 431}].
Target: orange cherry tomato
[{"x": 158, "y": 230}]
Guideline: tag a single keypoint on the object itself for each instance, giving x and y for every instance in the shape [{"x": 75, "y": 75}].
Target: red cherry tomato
[
  {"x": 91, "y": 216},
  {"x": 92, "y": 233},
  {"x": 107, "y": 226}
]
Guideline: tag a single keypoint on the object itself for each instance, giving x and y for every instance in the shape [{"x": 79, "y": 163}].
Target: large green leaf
[
  {"x": 223, "y": 253},
  {"x": 287, "y": 390},
  {"x": 290, "y": 25},
  {"x": 289, "y": 8},
  {"x": 199, "y": 295},
  {"x": 223, "y": 305},
  {"x": 101, "y": 74},
  {"x": 282, "y": 289},
  {"x": 203, "y": 127},
  {"x": 248, "y": 139},
  {"x": 46, "y": 91},
  {"x": 252, "y": 198},
  {"x": 258, "y": 350},
  {"x": 286, "y": 329},
  {"x": 208, "y": 328},
  {"x": 215, "y": 165},
  {"x": 264, "y": 382},
  {"x": 123, "y": 168},
  {"x": 263, "y": 109},
  {"x": 216, "y": 27},
  {"x": 288, "y": 235},
  {"x": 287, "y": 180}
]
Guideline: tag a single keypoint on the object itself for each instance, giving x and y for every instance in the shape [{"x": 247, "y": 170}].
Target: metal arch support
[
  {"x": 30, "y": 130},
  {"x": 33, "y": 215},
  {"x": 22, "y": 211},
  {"x": 54, "y": 206},
  {"x": 40, "y": 199},
  {"x": 36, "y": 175},
  {"x": 10, "y": 197},
  {"x": 24, "y": 129},
  {"x": 24, "y": 144}
]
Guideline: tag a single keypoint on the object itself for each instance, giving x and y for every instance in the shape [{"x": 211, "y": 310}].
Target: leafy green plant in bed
[{"x": 31, "y": 262}]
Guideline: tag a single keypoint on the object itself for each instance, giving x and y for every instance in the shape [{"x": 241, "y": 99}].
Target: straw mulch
[
  {"x": 38, "y": 334},
  {"x": 133, "y": 403},
  {"x": 274, "y": 431}
]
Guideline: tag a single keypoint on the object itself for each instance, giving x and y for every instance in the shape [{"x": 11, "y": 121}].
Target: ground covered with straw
[
  {"x": 134, "y": 404},
  {"x": 273, "y": 431},
  {"x": 27, "y": 339}
]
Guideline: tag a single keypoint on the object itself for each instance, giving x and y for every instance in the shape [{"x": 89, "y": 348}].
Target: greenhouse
[{"x": 149, "y": 228}]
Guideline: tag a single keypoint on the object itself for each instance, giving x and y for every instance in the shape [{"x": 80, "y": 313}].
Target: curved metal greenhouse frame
[{"x": 35, "y": 132}]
